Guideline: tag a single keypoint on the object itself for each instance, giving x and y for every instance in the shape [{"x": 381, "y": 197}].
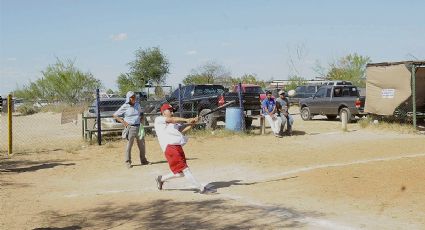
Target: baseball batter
[{"x": 171, "y": 139}]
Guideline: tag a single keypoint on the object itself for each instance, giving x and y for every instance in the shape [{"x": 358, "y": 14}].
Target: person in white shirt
[{"x": 170, "y": 132}]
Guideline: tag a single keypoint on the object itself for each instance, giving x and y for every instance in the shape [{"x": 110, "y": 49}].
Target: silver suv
[{"x": 108, "y": 106}]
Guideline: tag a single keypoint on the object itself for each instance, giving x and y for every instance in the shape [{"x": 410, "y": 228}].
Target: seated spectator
[
  {"x": 269, "y": 111},
  {"x": 282, "y": 104}
]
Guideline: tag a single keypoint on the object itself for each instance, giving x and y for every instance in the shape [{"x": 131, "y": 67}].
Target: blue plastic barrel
[{"x": 234, "y": 118}]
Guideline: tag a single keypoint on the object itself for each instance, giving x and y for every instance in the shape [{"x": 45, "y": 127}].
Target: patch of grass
[
  {"x": 216, "y": 133},
  {"x": 73, "y": 149},
  {"x": 26, "y": 109},
  {"x": 365, "y": 122},
  {"x": 110, "y": 145},
  {"x": 396, "y": 127},
  {"x": 387, "y": 125}
]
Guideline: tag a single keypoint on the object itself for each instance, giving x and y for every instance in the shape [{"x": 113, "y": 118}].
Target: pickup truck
[
  {"x": 333, "y": 100},
  {"x": 203, "y": 98},
  {"x": 302, "y": 92},
  {"x": 252, "y": 88}
]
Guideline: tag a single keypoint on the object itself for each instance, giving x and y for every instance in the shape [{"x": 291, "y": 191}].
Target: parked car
[
  {"x": 40, "y": 103},
  {"x": 107, "y": 106},
  {"x": 17, "y": 102},
  {"x": 332, "y": 101},
  {"x": 338, "y": 83},
  {"x": 247, "y": 88}
]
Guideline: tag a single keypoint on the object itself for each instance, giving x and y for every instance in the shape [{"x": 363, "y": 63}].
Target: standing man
[
  {"x": 283, "y": 107},
  {"x": 130, "y": 115},
  {"x": 171, "y": 139},
  {"x": 269, "y": 111}
]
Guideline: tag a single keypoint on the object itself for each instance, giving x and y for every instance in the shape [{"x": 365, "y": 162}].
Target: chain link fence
[
  {"x": 186, "y": 103},
  {"x": 40, "y": 126}
]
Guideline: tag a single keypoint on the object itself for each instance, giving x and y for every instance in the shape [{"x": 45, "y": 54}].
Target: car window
[
  {"x": 337, "y": 92},
  {"x": 300, "y": 89},
  {"x": 175, "y": 94},
  {"x": 187, "y": 92},
  {"x": 311, "y": 89},
  {"x": 258, "y": 90},
  {"x": 350, "y": 92},
  {"x": 208, "y": 89},
  {"x": 321, "y": 93},
  {"x": 108, "y": 105},
  {"x": 328, "y": 92}
]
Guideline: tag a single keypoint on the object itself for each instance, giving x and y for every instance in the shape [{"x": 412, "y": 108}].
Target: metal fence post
[
  {"x": 99, "y": 129},
  {"x": 180, "y": 101},
  {"x": 240, "y": 94},
  {"x": 414, "y": 94},
  {"x": 9, "y": 119},
  {"x": 241, "y": 106}
]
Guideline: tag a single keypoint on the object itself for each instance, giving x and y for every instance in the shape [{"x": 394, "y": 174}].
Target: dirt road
[{"x": 320, "y": 178}]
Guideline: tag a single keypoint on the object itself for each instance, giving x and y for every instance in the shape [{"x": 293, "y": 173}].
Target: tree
[
  {"x": 208, "y": 73},
  {"x": 126, "y": 83},
  {"x": 349, "y": 68},
  {"x": 249, "y": 79},
  {"x": 150, "y": 65},
  {"x": 61, "y": 81},
  {"x": 110, "y": 91},
  {"x": 295, "y": 81}
]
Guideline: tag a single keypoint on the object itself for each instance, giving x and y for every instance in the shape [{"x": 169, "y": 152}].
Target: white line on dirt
[
  {"x": 275, "y": 210},
  {"x": 287, "y": 173},
  {"x": 311, "y": 168},
  {"x": 104, "y": 192}
]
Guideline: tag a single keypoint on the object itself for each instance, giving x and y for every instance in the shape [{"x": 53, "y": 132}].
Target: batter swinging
[{"x": 171, "y": 139}]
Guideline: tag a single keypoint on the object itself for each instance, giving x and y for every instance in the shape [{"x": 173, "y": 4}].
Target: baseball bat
[{"x": 219, "y": 108}]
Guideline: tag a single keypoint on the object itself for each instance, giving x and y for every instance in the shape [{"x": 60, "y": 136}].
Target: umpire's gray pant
[{"x": 133, "y": 133}]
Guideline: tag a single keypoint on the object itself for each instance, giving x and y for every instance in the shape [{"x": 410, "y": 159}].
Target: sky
[{"x": 270, "y": 38}]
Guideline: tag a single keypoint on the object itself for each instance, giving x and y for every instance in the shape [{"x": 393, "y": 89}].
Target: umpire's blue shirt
[{"x": 130, "y": 113}]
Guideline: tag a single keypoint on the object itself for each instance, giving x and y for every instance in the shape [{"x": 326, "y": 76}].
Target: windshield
[
  {"x": 109, "y": 105},
  {"x": 208, "y": 89},
  {"x": 258, "y": 90}
]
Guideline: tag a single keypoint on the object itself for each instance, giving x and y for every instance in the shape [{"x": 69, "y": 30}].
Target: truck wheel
[
  {"x": 347, "y": 111},
  {"x": 331, "y": 117},
  {"x": 209, "y": 120},
  {"x": 305, "y": 114}
]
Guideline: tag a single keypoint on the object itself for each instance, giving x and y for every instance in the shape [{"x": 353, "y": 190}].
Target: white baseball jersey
[{"x": 168, "y": 133}]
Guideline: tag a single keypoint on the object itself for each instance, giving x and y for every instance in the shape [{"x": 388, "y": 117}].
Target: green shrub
[
  {"x": 365, "y": 122},
  {"x": 26, "y": 109}
]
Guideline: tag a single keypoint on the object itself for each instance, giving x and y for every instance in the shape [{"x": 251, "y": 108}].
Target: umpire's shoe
[{"x": 159, "y": 183}]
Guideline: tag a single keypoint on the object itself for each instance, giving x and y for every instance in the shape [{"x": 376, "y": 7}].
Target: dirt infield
[{"x": 320, "y": 178}]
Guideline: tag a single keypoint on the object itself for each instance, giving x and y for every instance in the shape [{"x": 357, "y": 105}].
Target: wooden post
[
  {"x": 344, "y": 118},
  {"x": 262, "y": 125}
]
